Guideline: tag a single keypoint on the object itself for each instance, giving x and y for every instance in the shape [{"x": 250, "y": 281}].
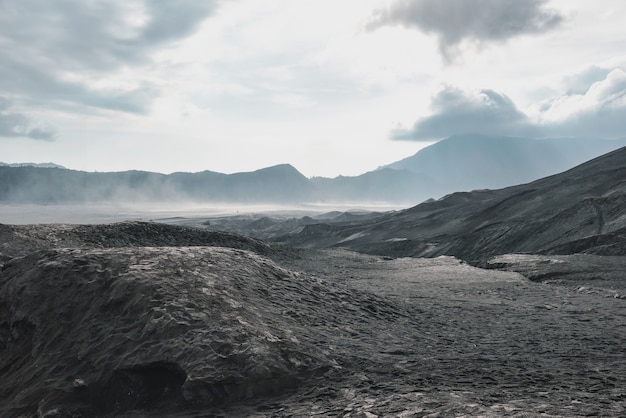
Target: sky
[{"x": 331, "y": 87}]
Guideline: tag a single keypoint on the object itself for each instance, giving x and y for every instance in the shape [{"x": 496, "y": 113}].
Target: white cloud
[
  {"x": 456, "y": 111},
  {"x": 597, "y": 112}
]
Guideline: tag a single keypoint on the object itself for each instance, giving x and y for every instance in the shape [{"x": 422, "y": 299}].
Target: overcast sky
[{"x": 331, "y": 86}]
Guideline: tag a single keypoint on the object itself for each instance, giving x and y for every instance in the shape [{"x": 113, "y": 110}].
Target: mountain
[
  {"x": 578, "y": 211},
  {"x": 464, "y": 163},
  {"x": 53, "y": 185},
  {"x": 468, "y": 162},
  {"x": 278, "y": 184},
  {"x": 385, "y": 185},
  {"x": 458, "y": 163},
  {"x": 41, "y": 165}
]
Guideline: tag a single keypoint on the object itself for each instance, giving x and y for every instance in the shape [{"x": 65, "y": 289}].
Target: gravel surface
[
  {"x": 324, "y": 332},
  {"x": 481, "y": 343}
]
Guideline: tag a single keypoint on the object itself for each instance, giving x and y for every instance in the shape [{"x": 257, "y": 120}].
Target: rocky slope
[{"x": 578, "y": 211}]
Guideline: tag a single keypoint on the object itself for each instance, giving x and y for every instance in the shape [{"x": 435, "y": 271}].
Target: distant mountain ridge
[
  {"x": 467, "y": 162},
  {"x": 40, "y": 165},
  {"x": 278, "y": 184},
  {"x": 458, "y": 163}
]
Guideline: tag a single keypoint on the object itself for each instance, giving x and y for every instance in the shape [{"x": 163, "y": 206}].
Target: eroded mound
[
  {"x": 19, "y": 240},
  {"x": 100, "y": 331}
]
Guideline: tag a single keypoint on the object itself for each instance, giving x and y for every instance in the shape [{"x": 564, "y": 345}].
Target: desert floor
[{"x": 468, "y": 342}]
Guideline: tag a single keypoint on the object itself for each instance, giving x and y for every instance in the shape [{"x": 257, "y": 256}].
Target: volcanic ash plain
[{"x": 204, "y": 329}]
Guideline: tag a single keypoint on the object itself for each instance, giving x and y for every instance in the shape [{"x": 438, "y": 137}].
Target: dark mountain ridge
[{"x": 579, "y": 210}]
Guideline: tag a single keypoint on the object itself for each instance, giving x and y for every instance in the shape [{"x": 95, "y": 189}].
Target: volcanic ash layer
[{"x": 100, "y": 331}]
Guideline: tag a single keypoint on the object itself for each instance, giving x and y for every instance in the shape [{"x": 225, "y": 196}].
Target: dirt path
[{"x": 599, "y": 214}]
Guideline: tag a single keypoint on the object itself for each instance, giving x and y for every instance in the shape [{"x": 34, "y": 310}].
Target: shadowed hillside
[{"x": 580, "y": 210}]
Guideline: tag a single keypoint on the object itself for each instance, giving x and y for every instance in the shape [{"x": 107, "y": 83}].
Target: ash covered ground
[{"x": 145, "y": 319}]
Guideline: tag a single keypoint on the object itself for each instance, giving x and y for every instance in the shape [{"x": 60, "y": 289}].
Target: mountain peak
[
  {"x": 38, "y": 165},
  {"x": 280, "y": 169}
]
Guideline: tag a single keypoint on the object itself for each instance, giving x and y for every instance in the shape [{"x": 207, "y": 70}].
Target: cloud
[
  {"x": 16, "y": 125},
  {"x": 477, "y": 21},
  {"x": 61, "y": 50},
  {"x": 458, "y": 112},
  {"x": 597, "y": 112},
  {"x": 4, "y": 103},
  {"x": 173, "y": 20},
  {"x": 582, "y": 81}
]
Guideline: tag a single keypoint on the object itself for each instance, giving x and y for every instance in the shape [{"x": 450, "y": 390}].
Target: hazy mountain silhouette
[
  {"x": 578, "y": 211},
  {"x": 42, "y": 165},
  {"x": 387, "y": 185},
  {"x": 464, "y": 163},
  {"x": 459, "y": 163},
  {"x": 279, "y": 184},
  {"x": 467, "y": 162}
]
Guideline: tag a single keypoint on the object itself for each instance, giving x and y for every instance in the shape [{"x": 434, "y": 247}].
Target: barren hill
[{"x": 579, "y": 210}]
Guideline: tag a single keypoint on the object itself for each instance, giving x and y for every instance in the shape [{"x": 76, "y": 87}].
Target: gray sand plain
[{"x": 349, "y": 335}]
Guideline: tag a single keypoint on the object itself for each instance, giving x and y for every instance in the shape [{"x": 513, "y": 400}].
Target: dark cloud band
[
  {"x": 43, "y": 42},
  {"x": 478, "y": 21},
  {"x": 18, "y": 125}
]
